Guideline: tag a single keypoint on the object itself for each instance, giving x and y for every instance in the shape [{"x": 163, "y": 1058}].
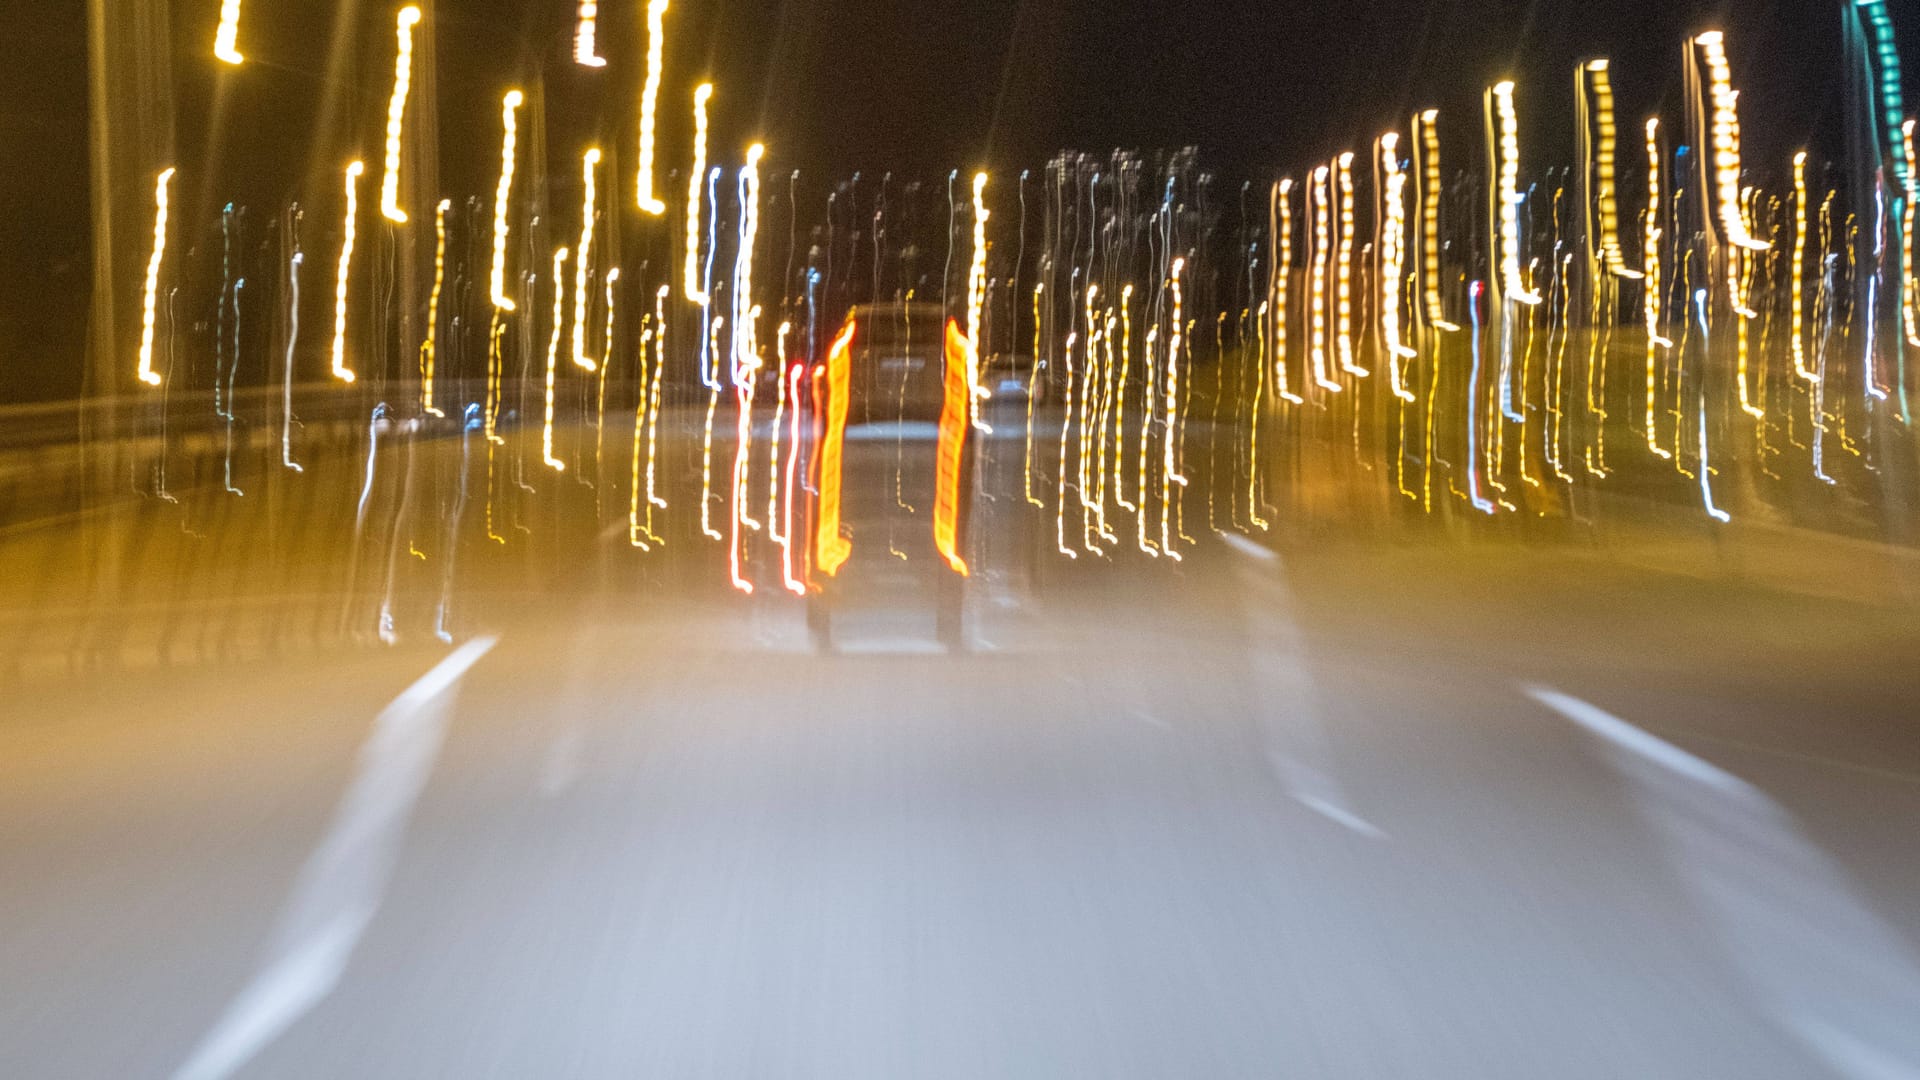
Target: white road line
[
  {"x": 1658, "y": 751},
  {"x": 1248, "y": 548},
  {"x": 1828, "y": 970},
  {"x": 1284, "y": 689},
  {"x": 1340, "y": 816},
  {"x": 341, "y": 885}
]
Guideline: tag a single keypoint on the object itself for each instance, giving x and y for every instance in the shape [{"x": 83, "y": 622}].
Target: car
[{"x": 892, "y": 467}]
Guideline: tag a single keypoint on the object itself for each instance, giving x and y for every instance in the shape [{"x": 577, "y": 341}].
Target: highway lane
[{"x": 1158, "y": 822}]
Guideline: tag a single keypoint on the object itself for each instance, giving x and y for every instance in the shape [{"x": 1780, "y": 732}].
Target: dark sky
[{"x": 915, "y": 86}]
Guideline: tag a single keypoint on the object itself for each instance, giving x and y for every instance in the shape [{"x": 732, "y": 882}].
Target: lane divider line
[{"x": 341, "y": 885}]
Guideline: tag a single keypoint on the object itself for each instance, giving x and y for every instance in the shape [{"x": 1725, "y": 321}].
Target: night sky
[{"x": 912, "y": 86}]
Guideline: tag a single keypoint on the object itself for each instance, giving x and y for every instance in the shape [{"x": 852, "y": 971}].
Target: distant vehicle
[
  {"x": 893, "y": 467},
  {"x": 1010, "y": 376}
]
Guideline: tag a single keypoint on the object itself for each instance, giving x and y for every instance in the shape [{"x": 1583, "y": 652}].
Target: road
[{"x": 1341, "y": 805}]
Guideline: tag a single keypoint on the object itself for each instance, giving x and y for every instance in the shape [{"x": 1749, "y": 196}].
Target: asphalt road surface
[{"x": 1326, "y": 806}]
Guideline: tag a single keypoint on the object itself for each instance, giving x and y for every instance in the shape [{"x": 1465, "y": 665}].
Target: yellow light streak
[
  {"x": 1726, "y": 144},
  {"x": 649, "y": 103},
  {"x": 226, "y": 37},
  {"x": 1152, "y": 382},
  {"x": 976, "y": 303},
  {"x": 1033, "y": 387},
  {"x": 1322, "y": 241},
  {"x": 584, "y": 51},
  {"x": 636, "y": 533},
  {"x": 1650, "y": 273},
  {"x": 397, "y": 113},
  {"x": 553, "y": 356},
  {"x": 1253, "y": 430},
  {"x": 429, "y": 346},
  {"x": 1066, "y": 426},
  {"x": 1120, "y": 400},
  {"x": 1393, "y": 243},
  {"x": 502, "y": 199},
  {"x": 1513, "y": 283},
  {"x": 612, "y": 283},
  {"x": 1343, "y": 283},
  {"x": 1281, "y": 209},
  {"x": 1909, "y": 286},
  {"x": 1742, "y": 273},
  {"x": 160, "y": 202},
  {"x": 1089, "y": 381},
  {"x": 1797, "y": 303},
  {"x": 1169, "y": 466},
  {"x": 582, "y": 261},
  {"x": 1604, "y": 161},
  {"x": 691, "y": 285},
  {"x": 340, "y": 370},
  {"x": 1430, "y": 217},
  {"x": 653, "y": 395}
]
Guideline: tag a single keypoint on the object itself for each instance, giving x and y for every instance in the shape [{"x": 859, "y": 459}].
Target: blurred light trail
[
  {"x": 1726, "y": 146},
  {"x": 746, "y": 362},
  {"x": 635, "y": 534},
  {"x": 1088, "y": 421},
  {"x": 396, "y": 114},
  {"x": 1429, "y": 144},
  {"x": 1706, "y": 469},
  {"x": 1170, "y": 465},
  {"x": 1033, "y": 384},
  {"x": 649, "y": 108},
  {"x": 611, "y": 286},
  {"x": 1796, "y": 300},
  {"x": 1120, "y": 404},
  {"x": 1512, "y": 282},
  {"x": 653, "y": 396},
  {"x": 1392, "y": 264},
  {"x": 582, "y": 264},
  {"x": 1909, "y": 287},
  {"x": 584, "y": 51},
  {"x": 429, "y": 345},
  {"x": 1886, "y": 53},
  {"x": 709, "y": 343},
  {"x": 776, "y": 434},
  {"x": 1280, "y": 228},
  {"x": 691, "y": 284},
  {"x": 502, "y": 203},
  {"x": 1741, "y": 270},
  {"x": 1473, "y": 402},
  {"x": 293, "y": 340},
  {"x": 340, "y": 370},
  {"x": 226, "y": 37},
  {"x": 1343, "y": 283},
  {"x": 1650, "y": 272},
  {"x": 976, "y": 303},
  {"x": 954, "y": 422},
  {"x": 553, "y": 357},
  {"x": 830, "y": 548},
  {"x": 146, "y": 373},
  {"x": 791, "y": 379},
  {"x": 1606, "y": 152},
  {"x": 1066, "y": 427},
  {"x": 1322, "y": 241}
]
